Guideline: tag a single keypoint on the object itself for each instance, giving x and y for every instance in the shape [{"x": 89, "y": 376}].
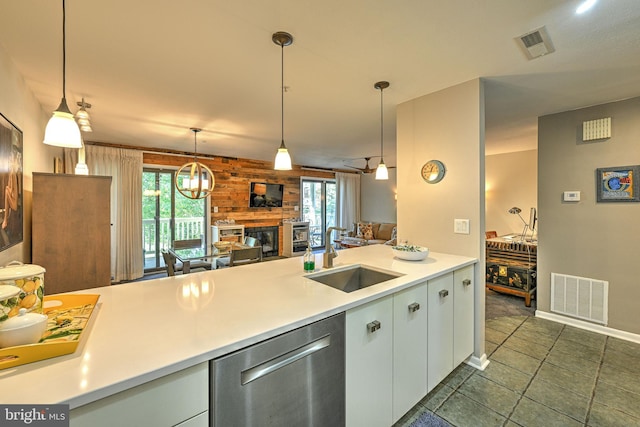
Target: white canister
[{"x": 29, "y": 279}]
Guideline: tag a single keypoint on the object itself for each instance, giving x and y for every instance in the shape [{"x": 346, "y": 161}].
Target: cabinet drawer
[{"x": 166, "y": 401}]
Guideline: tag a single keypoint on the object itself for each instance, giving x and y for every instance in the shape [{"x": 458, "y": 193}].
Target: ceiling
[{"x": 152, "y": 69}]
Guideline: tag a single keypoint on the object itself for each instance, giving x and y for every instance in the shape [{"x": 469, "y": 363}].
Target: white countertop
[{"x": 141, "y": 331}]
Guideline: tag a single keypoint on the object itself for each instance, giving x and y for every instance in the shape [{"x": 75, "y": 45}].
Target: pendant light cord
[
  {"x": 381, "y": 126},
  {"x": 282, "y": 91},
  {"x": 64, "y": 51},
  {"x": 195, "y": 146}
]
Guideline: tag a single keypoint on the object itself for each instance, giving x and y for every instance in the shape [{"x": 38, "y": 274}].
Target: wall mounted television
[{"x": 263, "y": 195}]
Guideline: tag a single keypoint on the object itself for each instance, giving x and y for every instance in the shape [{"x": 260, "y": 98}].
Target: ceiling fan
[{"x": 366, "y": 169}]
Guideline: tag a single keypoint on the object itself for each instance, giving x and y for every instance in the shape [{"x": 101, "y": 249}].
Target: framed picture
[
  {"x": 618, "y": 184},
  {"x": 11, "y": 216}
]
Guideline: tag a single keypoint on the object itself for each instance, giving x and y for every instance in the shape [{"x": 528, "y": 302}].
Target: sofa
[{"x": 373, "y": 233}]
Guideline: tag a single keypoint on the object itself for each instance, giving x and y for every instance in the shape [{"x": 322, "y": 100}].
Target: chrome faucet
[{"x": 329, "y": 251}]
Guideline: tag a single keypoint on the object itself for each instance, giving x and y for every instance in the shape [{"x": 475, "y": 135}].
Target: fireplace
[{"x": 267, "y": 236}]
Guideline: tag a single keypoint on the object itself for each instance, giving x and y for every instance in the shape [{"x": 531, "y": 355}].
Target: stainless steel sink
[{"x": 353, "y": 277}]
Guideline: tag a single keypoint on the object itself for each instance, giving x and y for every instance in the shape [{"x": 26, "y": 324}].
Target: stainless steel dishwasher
[{"x": 294, "y": 379}]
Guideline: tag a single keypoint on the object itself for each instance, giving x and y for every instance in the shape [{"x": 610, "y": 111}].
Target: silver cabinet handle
[
  {"x": 443, "y": 293},
  {"x": 414, "y": 307},
  {"x": 466, "y": 282},
  {"x": 373, "y": 326},
  {"x": 268, "y": 367}
]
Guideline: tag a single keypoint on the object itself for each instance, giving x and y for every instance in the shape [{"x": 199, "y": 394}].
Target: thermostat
[{"x": 571, "y": 196}]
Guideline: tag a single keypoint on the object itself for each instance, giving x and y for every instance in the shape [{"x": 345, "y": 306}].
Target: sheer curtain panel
[
  {"x": 348, "y": 195},
  {"x": 125, "y": 169}
]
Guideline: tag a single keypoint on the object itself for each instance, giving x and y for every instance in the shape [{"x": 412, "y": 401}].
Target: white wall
[
  {"x": 449, "y": 126},
  {"x": 18, "y": 104},
  {"x": 511, "y": 180},
  {"x": 378, "y": 198}
]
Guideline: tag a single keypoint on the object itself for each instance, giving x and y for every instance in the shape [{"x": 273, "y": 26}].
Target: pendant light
[
  {"x": 200, "y": 181},
  {"x": 62, "y": 130},
  {"x": 82, "y": 116},
  {"x": 283, "y": 159},
  {"x": 381, "y": 171}
]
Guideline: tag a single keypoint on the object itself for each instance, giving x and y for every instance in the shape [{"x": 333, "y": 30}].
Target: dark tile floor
[{"x": 541, "y": 373}]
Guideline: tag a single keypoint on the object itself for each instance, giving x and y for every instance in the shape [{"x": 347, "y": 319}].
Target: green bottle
[{"x": 309, "y": 260}]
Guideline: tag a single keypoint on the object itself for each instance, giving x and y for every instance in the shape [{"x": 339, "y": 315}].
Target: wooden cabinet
[
  {"x": 368, "y": 364},
  {"x": 227, "y": 233},
  {"x": 177, "y": 399},
  {"x": 71, "y": 230},
  {"x": 511, "y": 267},
  {"x": 409, "y": 348}
]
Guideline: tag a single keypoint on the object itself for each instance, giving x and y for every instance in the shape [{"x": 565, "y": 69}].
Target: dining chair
[
  {"x": 251, "y": 241},
  {"x": 187, "y": 244},
  {"x": 173, "y": 267},
  {"x": 245, "y": 256}
]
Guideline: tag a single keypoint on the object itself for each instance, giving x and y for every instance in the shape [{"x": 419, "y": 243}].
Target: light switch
[
  {"x": 296, "y": 208},
  {"x": 571, "y": 196},
  {"x": 461, "y": 226},
  {"x": 215, "y": 209}
]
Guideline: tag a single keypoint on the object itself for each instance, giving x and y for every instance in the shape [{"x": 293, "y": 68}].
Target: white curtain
[
  {"x": 125, "y": 169},
  {"x": 348, "y": 195}
]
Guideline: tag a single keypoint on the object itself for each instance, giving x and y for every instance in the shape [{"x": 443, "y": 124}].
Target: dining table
[{"x": 208, "y": 253}]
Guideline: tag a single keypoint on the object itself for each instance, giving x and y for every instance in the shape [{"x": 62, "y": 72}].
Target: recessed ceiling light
[{"x": 585, "y": 6}]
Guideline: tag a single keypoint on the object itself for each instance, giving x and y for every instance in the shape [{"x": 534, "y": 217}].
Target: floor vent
[
  {"x": 536, "y": 43},
  {"x": 580, "y": 297}
]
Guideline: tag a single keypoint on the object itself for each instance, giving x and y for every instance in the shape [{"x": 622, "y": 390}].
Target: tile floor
[{"x": 541, "y": 373}]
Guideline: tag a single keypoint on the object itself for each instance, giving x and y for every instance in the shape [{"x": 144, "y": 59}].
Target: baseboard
[
  {"x": 479, "y": 363},
  {"x": 617, "y": 333}
]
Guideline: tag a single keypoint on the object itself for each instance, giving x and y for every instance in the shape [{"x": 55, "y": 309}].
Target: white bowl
[
  {"x": 410, "y": 252},
  {"x": 25, "y": 328}
]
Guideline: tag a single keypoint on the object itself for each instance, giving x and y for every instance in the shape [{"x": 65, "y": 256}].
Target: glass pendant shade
[
  {"x": 283, "y": 159},
  {"x": 62, "y": 129},
  {"x": 382, "y": 172},
  {"x": 82, "y": 169},
  {"x": 82, "y": 114}
]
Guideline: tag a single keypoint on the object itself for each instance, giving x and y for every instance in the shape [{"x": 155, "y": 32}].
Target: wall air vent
[{"x": 536, "y": 43}]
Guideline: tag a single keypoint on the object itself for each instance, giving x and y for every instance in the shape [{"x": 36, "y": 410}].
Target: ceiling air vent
[{"x": 536, "y": 43}]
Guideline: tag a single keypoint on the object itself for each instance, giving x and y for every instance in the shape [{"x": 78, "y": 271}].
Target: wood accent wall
[{"x": 231, "y": 191}]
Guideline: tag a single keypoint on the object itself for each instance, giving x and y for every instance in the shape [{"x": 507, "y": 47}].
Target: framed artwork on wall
[
  {"x": 11, "y": 215},
  {"x": 618, "y": 184}
]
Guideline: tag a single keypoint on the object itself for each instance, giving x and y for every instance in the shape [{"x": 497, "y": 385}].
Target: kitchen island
[{"x": 143, "y": 331}]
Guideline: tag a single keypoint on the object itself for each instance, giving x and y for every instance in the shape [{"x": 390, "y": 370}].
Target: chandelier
[{"x": 195, "y": 180}]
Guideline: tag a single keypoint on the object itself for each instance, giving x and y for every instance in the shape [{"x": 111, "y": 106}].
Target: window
[
  {"x": 168, "y": 216},
  {"x": 318, "y": 207}
]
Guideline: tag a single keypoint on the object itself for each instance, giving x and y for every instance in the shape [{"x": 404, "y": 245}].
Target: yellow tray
[{"x": 68, "y": 317}]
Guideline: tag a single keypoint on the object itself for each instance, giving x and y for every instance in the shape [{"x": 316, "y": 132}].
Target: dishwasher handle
[{"x": 274, "y": 364}]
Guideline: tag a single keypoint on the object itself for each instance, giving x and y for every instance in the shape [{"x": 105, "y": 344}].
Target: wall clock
[{"x": 433, "y": 171}]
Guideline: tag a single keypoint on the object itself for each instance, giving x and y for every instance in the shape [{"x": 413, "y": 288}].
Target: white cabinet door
[
  {"x": 409, "y": 348},
  {"x": 440, "y": 329},
  {"x": 166, "y": 401},
  {"x": 369, "y": 364},
  {"x": 463, "y": 309}
]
